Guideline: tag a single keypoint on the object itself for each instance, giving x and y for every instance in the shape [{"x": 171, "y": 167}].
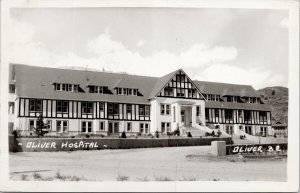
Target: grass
[
  {"x": 24, "y": 177},
  {"x": 143, "y": 179},
  {"x": 161, "y": 178},
  {"x": 122, "y": 178}
]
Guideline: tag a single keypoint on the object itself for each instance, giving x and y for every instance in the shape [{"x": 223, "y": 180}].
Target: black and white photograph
[{"x": 140, "y": 96}]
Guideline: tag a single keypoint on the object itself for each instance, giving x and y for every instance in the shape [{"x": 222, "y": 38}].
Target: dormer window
[
  {"x": 127, "y": 91},
  {"x": 66, "y": 87}
]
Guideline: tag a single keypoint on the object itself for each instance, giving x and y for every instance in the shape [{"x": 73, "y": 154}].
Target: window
[
  {"x": 146, "y": 128},
  {"x": 180, "y": 92},
  {"x": 76, "y": 88},
  {"x": 217, "y": 113},
  {"x": 162, "y": 109},
  {"x": 228, "y": 115},
  {"x": 147, "y": 111},
  {"x": 174, "y": 114},
  {"x": 62, "y": 126},
  {"x": 129, "y": 126},
  {"x": 165, "y": 127},
  {"x": 101, "y": 125},
  {"x": 12, "y": 88},
  {"x": 31, "y": 125},
  {"x": 110, "y": 108},
  {"x": 49, "y": 124},
  {"x": 62, "y": 106},
  {"x": 165, "y": 109},
  {"x": 206, "y": 115},
  {"x": 128, "y": 108},
  {"x": 197, "y": 110},
  {"x": 135, "y": 92},
  {"x": 168, "y": 109},
  {"x": 35, "y": 105},
  {"x": 87, "y": 107},
  {"x": 141, "y": 127},
  {"x": 101, "y": 106},
  {"x": 116, "y": 109},
  {"x": 129, "y": 91},
  {"x": 11, "y": 107},
  {"x": 168, "y": 91},
  {"x": 124, "y": 91},
  {"x": 86, "y": 126},
  {"x": 119, "y": 91},
  {"x": 142, "y": 110}
]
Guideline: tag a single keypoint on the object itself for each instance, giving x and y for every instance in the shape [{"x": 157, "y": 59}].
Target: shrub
[
  {"x": 176, "y": 132},
  {"x": 87, "y": 136},
  {"x": 207, "y": 134},
  {"x": 219, "y": 133},
  {"x": 37, "y": 176},
  {"x": 123, "y": 135},
  {"x": 122, "y": 178},
  {"x": 189, "y": 134},
  {"x": 24, "y": 177},
  {"x": 139, "y": 134},
  {"x": 160, "y": 178}
]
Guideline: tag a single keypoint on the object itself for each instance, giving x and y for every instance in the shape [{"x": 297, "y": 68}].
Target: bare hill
[{"x": 277, "y": 97}]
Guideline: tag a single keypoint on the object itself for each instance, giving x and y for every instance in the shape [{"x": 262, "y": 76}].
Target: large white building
[{"x": 80, "y": 102}]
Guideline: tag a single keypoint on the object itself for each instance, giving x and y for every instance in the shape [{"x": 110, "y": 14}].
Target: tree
[
  {"x": 41, "y": 128},
  {"x": 189, "y": 134}
]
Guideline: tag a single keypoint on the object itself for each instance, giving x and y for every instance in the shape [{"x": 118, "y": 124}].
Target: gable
[{"x": 177, "y": 85}]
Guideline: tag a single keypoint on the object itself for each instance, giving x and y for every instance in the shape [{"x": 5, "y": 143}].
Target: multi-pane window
[
  {"x": 142, "y": 110},
  {"x": 12, "y": 88},
  {"x": 35, "y": 105},
  {"x": 66, "y": 87},
  {"x": 141, "y": 127},
  {"x": 101, "y": 125},
  {"x": 62, "y": 126},
  {"x": 168, "y": 91},
  {"x": 101, "y": 108},
  {"x": 87, "y": 107},
  {"x": 86, "y": 126},
  {"x": 165, "y": 109},
  {"x": 128, "y": 108},
  {"x": 49, "y": 124},
  {"x": 62, "y": 106},
  {"x": 96, "y": 89},
  {"x": 247, "y": 116},
  {"x": 127, "y": 91},
  {"x": 165, "y": 127},
  {"x": 263, "y": 117},
  {"x": 129, "y": 126},
  {"x": 228, "y": 115},
  {"x": 144, "y": 128}
]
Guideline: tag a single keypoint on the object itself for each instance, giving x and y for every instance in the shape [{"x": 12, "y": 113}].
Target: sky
[{"x": 239, "y": 46}]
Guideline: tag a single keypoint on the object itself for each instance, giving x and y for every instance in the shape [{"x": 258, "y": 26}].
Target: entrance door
[
  {"x": 116, "y": 127},
  {"x": 110, "y": 127},
  {"x": 183, "y": 120},
  {"x": 113, "y": 127}
]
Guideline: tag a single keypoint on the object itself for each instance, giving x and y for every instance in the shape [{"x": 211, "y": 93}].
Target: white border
[{"x": 293, "y": 141}]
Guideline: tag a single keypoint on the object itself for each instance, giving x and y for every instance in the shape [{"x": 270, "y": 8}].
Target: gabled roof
[
  {"x": 225, "y": 89},
  {"x": 161, "y": 82},
  {"x": 37, "y": 82}
]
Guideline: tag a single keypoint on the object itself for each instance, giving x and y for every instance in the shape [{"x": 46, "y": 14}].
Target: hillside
[{"x": 277, "y": 97}]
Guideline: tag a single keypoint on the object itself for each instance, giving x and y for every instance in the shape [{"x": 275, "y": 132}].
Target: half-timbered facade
[{"x": 76, "y": 102}]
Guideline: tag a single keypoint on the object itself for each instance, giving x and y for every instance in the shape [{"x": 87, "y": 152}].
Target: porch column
[{"x": 194, "y": 115}]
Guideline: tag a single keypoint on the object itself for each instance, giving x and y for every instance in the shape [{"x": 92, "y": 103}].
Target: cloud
[
  {"x": 285, "y": 22},
  {"x": 141, "y": 43},
  {"x": 210, "y": 62},
  {"x": 257, "y": 77}
]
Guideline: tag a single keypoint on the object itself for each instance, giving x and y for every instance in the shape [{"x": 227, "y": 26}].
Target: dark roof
[
  {"x": 37, "y": 82},
  {"x": 161, "y": 82},
  {"x": 230, "y": 105},
  {"x": 224, "y": 89}
]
